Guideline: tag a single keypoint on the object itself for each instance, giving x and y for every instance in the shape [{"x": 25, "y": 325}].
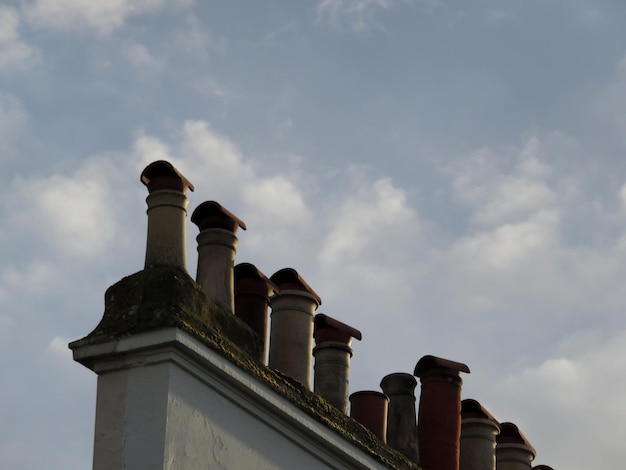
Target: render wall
[{"x": 166, "y": 401}]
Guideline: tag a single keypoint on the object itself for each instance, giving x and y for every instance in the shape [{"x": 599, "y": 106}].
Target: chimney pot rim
[
  {"x": 430, "y": 363},
  {"x": 471, "y": 408},
  {"x": 372, "y": 393},
  {"x": 250, "y": 271},
  {"x": 209, "y": 209},
  {"x": 290, "y": 279},
  {"x": 161, "y": 169},
  {"x": 510, "y": 434},
  {"x": 391, "y": 381},
  {"x": 323, "y": 321}
]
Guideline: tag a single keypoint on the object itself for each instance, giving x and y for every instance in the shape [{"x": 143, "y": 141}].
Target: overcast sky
[{"x": 448, "y": 175}]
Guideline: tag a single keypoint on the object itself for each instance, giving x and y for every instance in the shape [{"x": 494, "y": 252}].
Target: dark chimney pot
[
  {"x": 252, "y": 294},
  {"x": 370, "y": 409},
  {"x": 439, "y": 416},
  {"x": 401, "y": 418}
]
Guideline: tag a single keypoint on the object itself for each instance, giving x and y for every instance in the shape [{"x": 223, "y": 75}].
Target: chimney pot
[
  {"x": 291, "y": 330},
  {"x": 167, "y": 209},
  {"x": 369, "y": 408},
  {"x": 513, "y": 450},
  {"x": 439, "y": 415},
  {"x": 401, "y": 417},
  {"x": 217, "y": 245},
  {"x": 332, "y": 359},
  {"x": 478, "y": 437},
  {"x": 252, "y": 293}
]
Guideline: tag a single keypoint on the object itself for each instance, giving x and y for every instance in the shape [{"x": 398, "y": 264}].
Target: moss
[{"x": 165, "y": 296}]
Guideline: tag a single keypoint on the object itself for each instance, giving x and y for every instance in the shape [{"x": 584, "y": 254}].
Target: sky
[{"x": 449, "y": 176}]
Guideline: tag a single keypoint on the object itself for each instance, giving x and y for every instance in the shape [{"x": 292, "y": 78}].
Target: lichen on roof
[{"x": 166, "y": 296}]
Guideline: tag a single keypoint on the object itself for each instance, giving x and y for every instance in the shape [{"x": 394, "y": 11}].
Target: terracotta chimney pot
[
  {"x": 513, "y": 451},
  {"x": 167, "y": 210},
  {"x": 291, "y": 330},
  {"x": 401, "y": 418},
  {"x": 370, "y": 409},
  {"x": 478, "y": 437},
  {"x": 217, "y": 245},
  {"x": 332, "y": 359},
  {"x": 439, "y": 416},
  {"x": 252, "y": 294}
]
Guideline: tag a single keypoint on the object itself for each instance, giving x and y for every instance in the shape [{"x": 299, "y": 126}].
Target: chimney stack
[
  {"x": 513, "y": 451},
  {"x": 167, "y": 209},
  {"x": 291, "y": 330},
  {"x": 401, "y": 418},
  {"x": 370, "y": 409},
  {"x": 217, "y": 245},
  {"x": 478, "y": 437},
  {"x": 439, "y": 415},
  {"x": 332, "y": 359},
  {"x": 252, "y": 296}
]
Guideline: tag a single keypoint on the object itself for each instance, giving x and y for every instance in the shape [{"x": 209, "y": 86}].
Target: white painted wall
[{"x": 166, "y": 401}]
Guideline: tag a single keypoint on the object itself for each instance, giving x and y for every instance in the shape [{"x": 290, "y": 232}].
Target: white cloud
[
  {"x": 14, "y": 53},
  {"x": 501, "y": 193},
  {"x": 571, "y": 396},
  {"x": 102, "y": 16},
  {"x": 68, "y": 212}
]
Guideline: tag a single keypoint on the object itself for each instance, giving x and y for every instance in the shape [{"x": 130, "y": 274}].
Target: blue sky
[{"x": 449, "y": 176}]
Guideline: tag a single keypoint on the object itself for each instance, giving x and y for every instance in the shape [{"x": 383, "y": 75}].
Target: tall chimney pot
[
  {"x": 167, "y": 209},
  {"x": 401, "y": 417},
  {"x": 439, "y": 415},
  {"x": 217, "y": 245},
  {"x": 478, "y": 437},
  {"x": 252, "y": 294},
  {"x": 291, "y": 330},
  {"x": 332, "y": 359}
]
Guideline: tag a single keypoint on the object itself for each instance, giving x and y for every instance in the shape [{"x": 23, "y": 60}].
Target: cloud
[
  {"x": 572, "y": 396},
  {"x": 142, "y": 60},
  {"x": 101, "y": 17},
  {"x": 196, "y": 41},
  {"x": 357, "y": 15},
  {"x": 68, "y": 212},
  {"x": 14, "y": 53}
]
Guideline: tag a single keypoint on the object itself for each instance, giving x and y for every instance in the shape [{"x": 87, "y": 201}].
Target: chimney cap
[
  {"x": 398, "y": 383},
  {"x": 510, "y": 434},
  {"x": 163, "y": 175},
  {"x": 429, "y": 363},
  {"x": 211, "y": 214},
  {"x": 288, "y": 278},
  {"x": 471, "y": 408},
  {"x": 248, "y": 271},
  {"x": 329, "y": 329}
]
